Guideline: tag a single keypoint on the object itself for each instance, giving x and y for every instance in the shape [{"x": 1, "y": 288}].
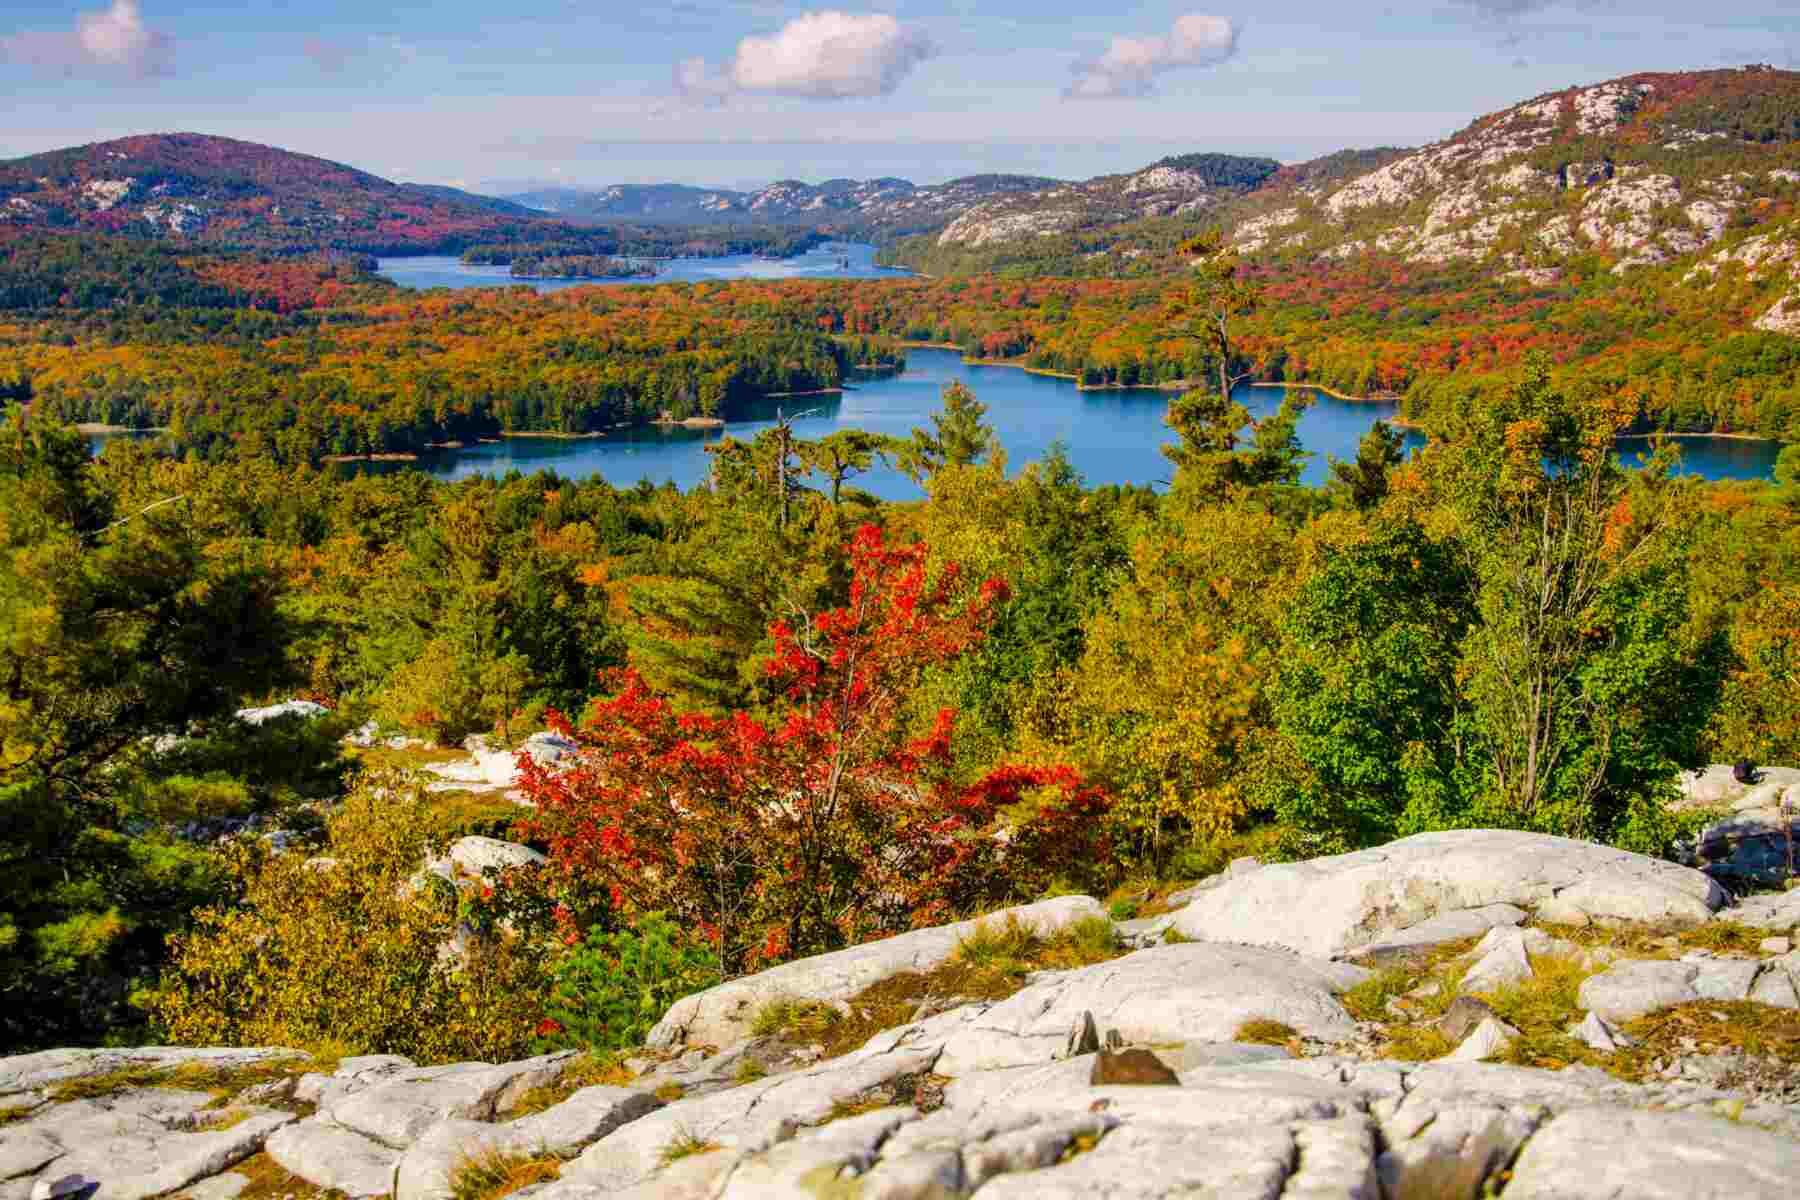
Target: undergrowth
[{"x": 585, "y": 1070}]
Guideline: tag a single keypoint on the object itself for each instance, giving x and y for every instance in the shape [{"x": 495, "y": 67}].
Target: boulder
[
  {"x": 426, "y": 1169},
  {"x": 1614, "y": 1151},
  {"x": 1336, "y": 906},
  {"x": 330, "y": 1156},
  {"x": 301, "y": 709},
  {"x": 1188, "y": 992},
  {"x": 1489, "y": 1038},
  {"x": 1777, "y": 912},
  {"x": 1748, "y": 844},
  {"x": 722, "y": 1014},
  {"x": 1631, "y": 989},
  {"x": 396, "y": 1111},
  {"x": 1503, "y": 961}
]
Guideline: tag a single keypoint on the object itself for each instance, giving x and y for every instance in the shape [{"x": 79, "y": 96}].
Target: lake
[
  {"x": 435, "y": 271},
  {"x": 1112, "y": 436}
]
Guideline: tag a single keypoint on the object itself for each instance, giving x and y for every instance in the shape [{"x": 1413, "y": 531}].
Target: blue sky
[{"x": 741, "y": 92}]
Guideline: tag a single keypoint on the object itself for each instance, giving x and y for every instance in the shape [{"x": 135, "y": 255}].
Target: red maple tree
[{"x": 829, "y": 825}]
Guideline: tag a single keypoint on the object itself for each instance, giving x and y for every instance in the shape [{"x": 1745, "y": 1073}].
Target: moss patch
[
  {"x": 269, "y": 1180},
  {"x": 224, "y": 1082},
  {"x": 1761, "y": 1031},
  {"x": 1261, "y": 1031}
]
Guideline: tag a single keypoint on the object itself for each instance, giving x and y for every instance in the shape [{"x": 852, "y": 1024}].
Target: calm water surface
[
  {"x": 1112, "y": 436},
  {"x": 435, "y": 271}
]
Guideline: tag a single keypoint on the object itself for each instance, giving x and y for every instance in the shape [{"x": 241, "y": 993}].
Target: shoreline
[
  {"x": 1333, "y": 393},
  {"x": 388, "y": 456},
  {"x": 94, "y": 428}
]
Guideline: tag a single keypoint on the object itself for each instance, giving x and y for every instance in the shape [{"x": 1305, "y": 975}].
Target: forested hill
[
  {"x": 221, "y": 193},
  {"x": 1630, "y": 173}
]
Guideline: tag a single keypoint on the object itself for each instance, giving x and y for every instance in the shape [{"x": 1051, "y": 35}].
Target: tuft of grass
[
  {"x": 1174, "y": 937},
  {"x": 805, "y": 1019},
  {"x": 1547, "y": 1002},
  {"x": 16, "y": 1112},
  {"x": 749, "y": 1070},
  {"x": 684, "y": 1145},
  {"x": 997, "y": 946},
  {"x": 1368, "y": 1000},
  {"x": 670, "y": 1092},
  {"x": 1088, "y": 941},
  {"x": 1661, "y": 941},
  {"x": 1261, "y": 1031},
  {"x": 493, "y": 1175}
]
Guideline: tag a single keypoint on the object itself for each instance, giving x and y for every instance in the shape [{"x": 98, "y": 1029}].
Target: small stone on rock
[
  {"x": 1775, "y": 945},
  {"x": 1463, "y": 1015}
]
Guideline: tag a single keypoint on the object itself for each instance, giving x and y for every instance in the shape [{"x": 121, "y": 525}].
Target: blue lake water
[
  {"x": 435, "y": 271},
  {"x": 1112, "y": 436}
]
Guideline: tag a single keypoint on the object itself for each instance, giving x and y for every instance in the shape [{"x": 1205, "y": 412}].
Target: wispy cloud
[
  {"x": 825, "y": 55},
  {"x": 1131, "y": 64},
  {"x": 113, "y": 40}
]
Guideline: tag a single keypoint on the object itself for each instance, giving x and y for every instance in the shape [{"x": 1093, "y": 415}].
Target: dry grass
[
  {"x": 223, "y": 1082},
  {"x": 585, "y": 1071},
  {"x": 1760, "y": 1031},
  {"x": 270, "y": 1181},
  {"x": 670, "y": 1092},
  {"x": 1656, "y": 941},
  {"x": 16, "y": 1112},
  {"x": 491, "y": 1176},
  {"x": 684, "y": 1145}
]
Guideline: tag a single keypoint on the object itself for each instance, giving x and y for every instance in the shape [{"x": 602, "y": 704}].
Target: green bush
[{"x": 616, "y": 985}]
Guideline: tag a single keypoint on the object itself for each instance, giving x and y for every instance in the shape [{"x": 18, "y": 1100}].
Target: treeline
[
  {"x": 398, "y": 378},
  {"x": 48, "y": 273}
]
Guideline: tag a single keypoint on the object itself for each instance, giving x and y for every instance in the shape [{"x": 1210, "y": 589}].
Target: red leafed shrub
[{"x": 828, "y": 825}]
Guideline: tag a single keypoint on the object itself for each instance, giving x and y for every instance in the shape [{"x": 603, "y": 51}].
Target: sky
[{"x": 737, "y": 93}]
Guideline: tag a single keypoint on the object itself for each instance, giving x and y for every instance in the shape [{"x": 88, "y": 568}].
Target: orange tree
[{"x": 831, "y": 822}]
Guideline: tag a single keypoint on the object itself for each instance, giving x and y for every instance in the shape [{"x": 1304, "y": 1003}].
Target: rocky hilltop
[{"x": 1370, "y": 1025}]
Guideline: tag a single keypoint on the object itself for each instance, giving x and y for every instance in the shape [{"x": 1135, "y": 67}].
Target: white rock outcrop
[
  {"x": 722, "y": 1014},
  {"x": 1336, "y": 906}
]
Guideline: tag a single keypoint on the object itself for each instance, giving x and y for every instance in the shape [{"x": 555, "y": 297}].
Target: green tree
[
  {"x": 112, "y": 633},
  {"x": 958, "y": 436},
  {"x": 1364, "y": 480}
]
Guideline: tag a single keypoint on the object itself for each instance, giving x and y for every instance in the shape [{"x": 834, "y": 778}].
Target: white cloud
[
  {"x": 1131, "y": 64},
  {"x": 116, "y": 39},
  {"x": 826, "y": 55}
]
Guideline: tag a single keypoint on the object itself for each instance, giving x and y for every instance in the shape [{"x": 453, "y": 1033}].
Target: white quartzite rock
[
  {"x": 1189, "y": 992},
  {"x": 129, "y": 1146},
  {"x": 1631, "y": 989},
  {"x": 1336, "y": 906},
  {"x": 1652, "y": 1156},
  {"x": 722, "y": 1015}
]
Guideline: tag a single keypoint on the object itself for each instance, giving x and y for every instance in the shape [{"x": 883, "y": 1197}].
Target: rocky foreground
[{"x": 1149, "y": 1075}]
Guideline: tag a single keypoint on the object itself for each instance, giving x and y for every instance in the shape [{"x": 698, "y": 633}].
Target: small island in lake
[{"x": 581, "y": 266}]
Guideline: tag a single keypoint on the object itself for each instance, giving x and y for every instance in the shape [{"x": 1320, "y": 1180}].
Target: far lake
[
  {"x": 1112, "y": 436},
  {"x": 435, "y": 271}
]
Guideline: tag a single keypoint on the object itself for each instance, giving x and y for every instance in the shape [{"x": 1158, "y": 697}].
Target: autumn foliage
[{"x": 830, "y": 822}]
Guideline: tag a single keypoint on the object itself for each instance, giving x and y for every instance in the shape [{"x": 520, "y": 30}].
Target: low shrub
[
  {"x": 349, "y": 953},
  {"x": 617, "y": 984}
]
